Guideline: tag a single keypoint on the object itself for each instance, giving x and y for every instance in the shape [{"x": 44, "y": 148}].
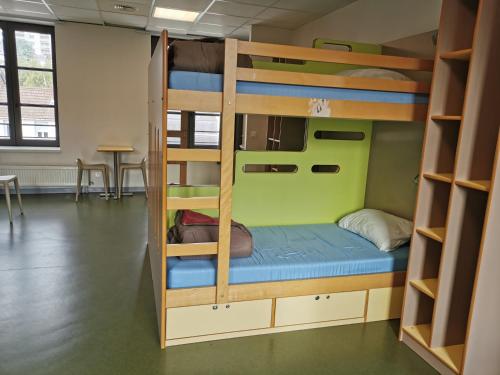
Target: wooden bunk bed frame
[{"x": 380, "y": 294}]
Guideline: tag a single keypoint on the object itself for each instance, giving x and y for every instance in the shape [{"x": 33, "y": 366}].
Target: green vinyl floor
[{"x": 76, "y": 298}]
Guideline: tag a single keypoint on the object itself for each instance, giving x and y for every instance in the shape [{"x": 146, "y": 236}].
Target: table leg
[{"x": 7, "y": 200}]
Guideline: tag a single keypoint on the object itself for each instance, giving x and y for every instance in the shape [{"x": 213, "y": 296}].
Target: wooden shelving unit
[{"x": 448, "y": 313}]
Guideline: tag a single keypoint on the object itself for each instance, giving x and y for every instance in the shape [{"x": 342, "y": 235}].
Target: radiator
[{"x": 42, "y": 179}]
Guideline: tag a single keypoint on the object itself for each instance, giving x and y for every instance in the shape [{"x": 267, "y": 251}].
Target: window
[
  {"x": 203, "y": 129},
  {"x": 28, "y": 96}
]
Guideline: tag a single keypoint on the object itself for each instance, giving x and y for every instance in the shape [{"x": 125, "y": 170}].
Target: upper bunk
[{"x": 266, "y": 90}]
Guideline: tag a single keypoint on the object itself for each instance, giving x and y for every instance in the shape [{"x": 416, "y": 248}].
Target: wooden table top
[{"x": 108, "y": 148}]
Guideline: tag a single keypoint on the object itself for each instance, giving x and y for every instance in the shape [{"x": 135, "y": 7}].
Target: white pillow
[
  {"x": 386, "y": 231},
  {"x": 375, "y": 73}
]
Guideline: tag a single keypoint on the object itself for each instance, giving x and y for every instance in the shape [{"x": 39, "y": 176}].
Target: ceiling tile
[
  {"x": 205, "y": 29},
  {"x": 242, "y": 33},
  {"x": 235, "y": 9},
  {"x": 27, "y": 9},
  {"x": 285, "y": 18},
  {"x": 77, "y": 15},
  {"x": 109, "y": 6},
  {"x": 220, "y": 19},
  {"x": 192, "y": 5},
  {"x": 162, "y": 24},
  {"x": 255, "y": 2},
  {"x": 82, "y": 4},
  {"x": 313, "y": 6},
  {"x": 124, "y": 19}
]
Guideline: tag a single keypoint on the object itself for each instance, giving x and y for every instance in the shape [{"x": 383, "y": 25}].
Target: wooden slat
[
  {"x": 277, "y": 289},
  {"x": 443, "y": 177},
  {"x": 192, "y": 101},
  {"x": 193, "y": 203},
  {"x": 481, "y": 185},
  {"x": 191, "y": 154},
  {"x": 330, "y": 80},
  {"x": 426, "y": 286},
  {"x": 340, "y": 57},
  {"x": 226, "y": 169},
  {"x": 305, "y": 107},
  {"x": 451, "y": 356},
  {"x": 436, "y": 234},
  {"x": 463, "y": 54},
  {"x": 446, "y": 118},
  {"x": 190, "y": 249}
]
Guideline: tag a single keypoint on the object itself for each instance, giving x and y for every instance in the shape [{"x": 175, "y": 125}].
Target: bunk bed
[{"x": 200, "y": 300}]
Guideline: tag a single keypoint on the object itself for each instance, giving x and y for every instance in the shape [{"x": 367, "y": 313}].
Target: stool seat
[
  {"x": 5, "y": 180},
  {"x": 129, "y": 166},
  {"x": 103, "y": 168}
]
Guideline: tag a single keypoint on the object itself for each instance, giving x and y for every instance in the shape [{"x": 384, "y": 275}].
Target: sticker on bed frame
[
  {"x": 338, "y": 135},
  {"x": 319, "y": 108},
  {"x": 325, "y": 168},
  {"x": 270, "y": 168}
]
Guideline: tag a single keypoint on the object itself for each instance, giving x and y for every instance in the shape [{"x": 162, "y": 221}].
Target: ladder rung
[
  {"x": 190, "y": 249},
  {"x": 189, "y": 154},
  {"x": 194, "y": 203}
]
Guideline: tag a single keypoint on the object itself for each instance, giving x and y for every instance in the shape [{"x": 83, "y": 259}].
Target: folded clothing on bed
[
  {"x": 293, "y": 253},
  {"x": 193, "y": 227}
]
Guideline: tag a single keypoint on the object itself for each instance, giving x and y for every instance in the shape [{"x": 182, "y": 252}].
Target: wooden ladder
[{"x": 223, "y": 202}]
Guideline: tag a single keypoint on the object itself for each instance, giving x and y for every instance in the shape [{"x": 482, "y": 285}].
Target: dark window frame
[
  {"x": 192, "y": 130},
  {"x": 13, "y": 89}
]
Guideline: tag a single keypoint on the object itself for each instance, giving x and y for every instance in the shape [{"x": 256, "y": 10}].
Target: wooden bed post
[
  {"x": 226, "y": 175},
  {"x": 157, "y": 214}
]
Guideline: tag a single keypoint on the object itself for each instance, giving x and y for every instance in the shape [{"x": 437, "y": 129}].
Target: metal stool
[
  {"x": 5, "y": 180},
  {"x": 89, "y": 168},
  {"x": 125, "y": 166}
]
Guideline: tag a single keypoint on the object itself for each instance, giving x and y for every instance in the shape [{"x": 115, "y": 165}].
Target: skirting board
[{"x": 255, "y": 332}]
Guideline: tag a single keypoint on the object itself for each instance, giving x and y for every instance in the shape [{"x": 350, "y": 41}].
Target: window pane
[
  {"x": 3, "y": 86},
  {"x": 173, "y": 141},
  {"x": 36, "y": 87},
  {"x": 2, "y": 52},
  {"x": 206, "y": 132},
  {"x": 34, "y": 50},
  {"x": 4, "y": 122},
  {"x": 173, "y": 120},
  {"x": 38, "y": 123}
]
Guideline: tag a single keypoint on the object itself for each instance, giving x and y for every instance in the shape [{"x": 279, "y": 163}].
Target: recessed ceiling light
[
  {"x": 125, "y": 8},
  {"x": 175, "y": 14}
]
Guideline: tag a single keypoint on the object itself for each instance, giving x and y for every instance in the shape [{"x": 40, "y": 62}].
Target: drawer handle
[
  {"x": 316, "y": 298},
  {"x": 228, "y": 306},
  {"x": 215, "y": 307},
  {"x": 327, "y": 297}
]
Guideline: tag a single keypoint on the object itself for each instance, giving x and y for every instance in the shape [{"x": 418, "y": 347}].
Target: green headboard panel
[
  {"x": 320, "y": 67},
  {"x": 304, "y": 197}
]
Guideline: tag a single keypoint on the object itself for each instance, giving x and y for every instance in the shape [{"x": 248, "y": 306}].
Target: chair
[
  {"x": 128, "y": 166},
  {"x": 5, "y": 180},
  {"x": 89, "y": 168}
]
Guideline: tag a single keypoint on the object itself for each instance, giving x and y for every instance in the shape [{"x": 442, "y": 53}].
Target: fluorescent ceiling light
[{"x": 175, "y": 14}]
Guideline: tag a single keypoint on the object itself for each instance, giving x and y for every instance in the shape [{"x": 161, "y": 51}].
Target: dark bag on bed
[
  {"x": 201, "y": 56},
  {"x": 193, "y": 227}
]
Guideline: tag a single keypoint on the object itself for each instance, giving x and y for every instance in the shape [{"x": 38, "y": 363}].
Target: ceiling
[{"x": 217, "y": 17}]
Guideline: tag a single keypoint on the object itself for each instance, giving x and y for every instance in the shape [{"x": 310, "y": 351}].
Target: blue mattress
[
  {"x": 196, "y": 81},
  {"x": 293, "y": 253}
]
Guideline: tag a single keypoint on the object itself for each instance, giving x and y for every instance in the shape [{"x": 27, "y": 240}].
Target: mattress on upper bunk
[
  {"x": 196, "y": 81},
  {"x": 293, "y": 253}
]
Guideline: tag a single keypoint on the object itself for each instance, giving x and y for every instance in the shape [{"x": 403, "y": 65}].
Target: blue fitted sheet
[
  {"x": 293, "y": 253},
  {"x": 197, "y": 81}
]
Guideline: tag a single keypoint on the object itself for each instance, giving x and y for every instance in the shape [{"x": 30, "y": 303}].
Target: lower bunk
[{"x": 298, "y": 277}]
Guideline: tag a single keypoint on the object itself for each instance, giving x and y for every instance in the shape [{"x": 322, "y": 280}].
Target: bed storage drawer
[
  {"x": 384, "y": 304},
  {"x": 212, "y": 319},
  {"x": 320, "y": 308}
]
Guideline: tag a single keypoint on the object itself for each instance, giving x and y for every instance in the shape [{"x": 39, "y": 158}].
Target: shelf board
[
  {"x": 462, "y": 55},
  {"x": 481, "y": 185},
  {"x": 436, "y": 234},
  {"x": 443, "y": 177},
  {"x": 451, "y": 356},
  {"x": 426, "y": 286},
  {"x": 446, "y": 118}
]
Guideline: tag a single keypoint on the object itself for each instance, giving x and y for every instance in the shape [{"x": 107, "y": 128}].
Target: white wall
[{"x": 102, "y": 92}]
